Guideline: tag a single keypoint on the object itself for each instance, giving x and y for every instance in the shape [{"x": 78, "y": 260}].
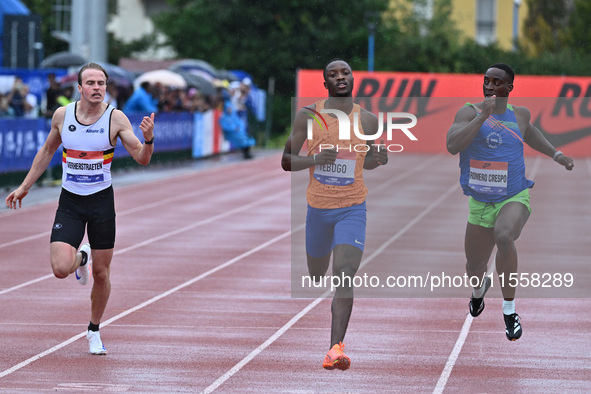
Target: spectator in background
[
  {"x": 242, "y": 100},
  {"x": 195, "y": 101},
  {"x": 165, "y": 106},
  {"x": 6, "y": 110},
  {"x": 112, "y": 95},
  {"x": 51, "y": 94},
  {"x": 176, "y": 99},
  {"x": 66, "y": 97},
  {"x": 31, "y": 104},
  {"x": 234, "y": 127},
  {"x": 141, "y": 100},
  {"x": 16, "y": 98}
]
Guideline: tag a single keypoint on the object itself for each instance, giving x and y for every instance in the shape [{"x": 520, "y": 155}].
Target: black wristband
[{"x": 149, "y": 142}]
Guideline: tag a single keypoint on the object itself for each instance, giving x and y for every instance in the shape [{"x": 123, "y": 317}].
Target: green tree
[
  {"x": 546, "y": 24},
  {"x": 579, "y": 23},
  {"x": 420, "y": 42},
  {"x": 270, "y": 38}
]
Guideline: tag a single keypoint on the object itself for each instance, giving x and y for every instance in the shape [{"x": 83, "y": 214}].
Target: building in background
[
  {"x": 20, "y": 37},
  {"x": 484, "y": 21},
  {"x": 489, "y": 21},
  {"x": 133, "y": 20}
]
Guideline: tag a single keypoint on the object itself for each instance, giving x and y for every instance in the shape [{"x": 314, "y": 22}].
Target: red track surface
[{"x": 202, "y": 298}]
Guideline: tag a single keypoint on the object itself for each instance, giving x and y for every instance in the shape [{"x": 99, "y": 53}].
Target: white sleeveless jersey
[{"x": 88, "y": 153}]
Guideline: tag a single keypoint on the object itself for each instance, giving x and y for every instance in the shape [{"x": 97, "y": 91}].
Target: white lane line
[
  {"x": 40, "y": 355},
  {"x": 451, "y": 361},
  {"x": 25, "y": 239},
  {"x": 160, "y": 237},
  {"x": 166, "y": 235},
  {"x": 453, "y": 357},
  {"x": 13, "y": 288},
  {"x": 405, "y": 174},
  {"x": 263, "y": 346},
  {"x": 153, "y": 299},
  {"x": 410, "y": 224},
  {"x": 152, "y": 205},
  {"x": 236, "y": 368}
]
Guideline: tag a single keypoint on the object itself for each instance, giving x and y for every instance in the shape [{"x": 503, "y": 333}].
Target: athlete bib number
[
  {"x": 340, "y": 173},
  {"x": 489, "y": 177}
]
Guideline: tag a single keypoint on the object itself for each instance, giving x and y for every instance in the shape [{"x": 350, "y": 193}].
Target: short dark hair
[
  {"x": 506, "y": 68},
  {"x": 335, "y": 59},
  {"x": 93, "y": 66}
]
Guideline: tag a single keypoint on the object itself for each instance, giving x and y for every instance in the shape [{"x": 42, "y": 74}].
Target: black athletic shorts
[{"x": 96, "y": 212}]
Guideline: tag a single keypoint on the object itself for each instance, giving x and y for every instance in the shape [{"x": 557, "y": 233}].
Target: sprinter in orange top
[{"x": 336, "y": 218}]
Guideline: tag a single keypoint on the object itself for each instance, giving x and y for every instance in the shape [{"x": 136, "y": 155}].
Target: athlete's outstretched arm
[
  {"x": 41, "y": 160},
  {"x": 534, "y": 138}
]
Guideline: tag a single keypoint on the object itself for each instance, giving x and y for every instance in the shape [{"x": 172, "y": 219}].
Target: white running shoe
[
  {"x": 83, "y": 272},
  {"x": 95, "y": 344}
]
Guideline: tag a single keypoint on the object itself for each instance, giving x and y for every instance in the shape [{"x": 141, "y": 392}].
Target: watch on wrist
[{"x": 149, "y": 142}]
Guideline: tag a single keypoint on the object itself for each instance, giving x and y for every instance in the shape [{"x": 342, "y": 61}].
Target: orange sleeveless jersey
[{"x": 339, "y": 185}]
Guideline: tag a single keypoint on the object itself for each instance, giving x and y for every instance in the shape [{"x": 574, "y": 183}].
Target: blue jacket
[{"x": 140, "y": 101}]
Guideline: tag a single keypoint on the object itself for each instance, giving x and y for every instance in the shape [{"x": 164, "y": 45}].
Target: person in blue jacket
[
  {"x": 234, "y": 127},
  {"x": 141, "y": 101}
]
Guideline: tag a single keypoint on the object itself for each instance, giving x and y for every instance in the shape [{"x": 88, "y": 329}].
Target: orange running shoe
[{"x": 335, "y": 358}]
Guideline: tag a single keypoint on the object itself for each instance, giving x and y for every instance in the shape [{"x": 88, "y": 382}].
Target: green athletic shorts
[{"x": 485, "y": 213}]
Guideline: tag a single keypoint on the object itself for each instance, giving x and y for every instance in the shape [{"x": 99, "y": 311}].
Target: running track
[{"x": 202, "y": 300}]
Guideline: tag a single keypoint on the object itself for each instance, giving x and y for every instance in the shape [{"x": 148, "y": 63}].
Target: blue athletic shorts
[{"x": 327, "y": 228}]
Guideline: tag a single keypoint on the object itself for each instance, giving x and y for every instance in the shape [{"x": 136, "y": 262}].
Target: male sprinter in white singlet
[
  {"x": 88, "y": 130},
  {"x": 335, "y": 222}
]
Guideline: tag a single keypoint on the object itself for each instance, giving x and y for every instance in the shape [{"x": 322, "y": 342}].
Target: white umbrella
[{"x": 165, "y": 77}]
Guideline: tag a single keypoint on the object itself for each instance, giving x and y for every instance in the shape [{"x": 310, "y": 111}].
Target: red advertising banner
[{"x": 560, "y": 106}]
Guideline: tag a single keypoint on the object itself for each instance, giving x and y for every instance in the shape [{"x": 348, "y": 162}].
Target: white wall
[{"x": 131, "y": 22}]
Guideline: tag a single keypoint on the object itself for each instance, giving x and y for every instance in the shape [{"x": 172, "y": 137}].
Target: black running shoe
[
  {"x": 477, "y": 304},
  {"x": 512, "y": 326}
]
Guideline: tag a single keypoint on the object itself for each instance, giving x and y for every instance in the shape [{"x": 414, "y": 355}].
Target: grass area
[{"x": 278, "y": 141}]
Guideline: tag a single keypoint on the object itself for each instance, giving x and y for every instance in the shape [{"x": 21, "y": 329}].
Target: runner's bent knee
[{"x": 63, "y": 259}]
